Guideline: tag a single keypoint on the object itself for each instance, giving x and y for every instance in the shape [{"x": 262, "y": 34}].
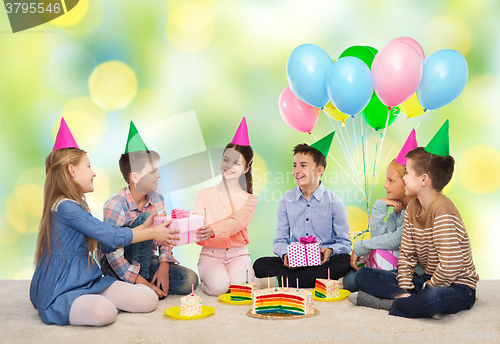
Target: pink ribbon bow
[
  {"x": 308, "y": 240},
  {"x": 180, "y": 214}
]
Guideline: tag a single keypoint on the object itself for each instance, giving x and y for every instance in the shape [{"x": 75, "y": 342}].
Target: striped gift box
[{"x": 382, "y": 259}]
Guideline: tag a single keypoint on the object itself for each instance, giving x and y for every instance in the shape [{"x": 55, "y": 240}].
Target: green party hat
[
  {"x": 134, "y": 141},
  {"x": 323, "y": 145},
  {"x": 440, "y": 143}
]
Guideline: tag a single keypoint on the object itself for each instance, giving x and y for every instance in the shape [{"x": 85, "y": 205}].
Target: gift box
[
  {"x": 187, "y": 225},
  {"x": 304, "y": 253},
  {"x": 382, "y": 259}
]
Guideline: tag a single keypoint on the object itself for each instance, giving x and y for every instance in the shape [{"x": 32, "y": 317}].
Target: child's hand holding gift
[
  {"x": 325, "y": 254},
  {"x": 205, "y": 233}
]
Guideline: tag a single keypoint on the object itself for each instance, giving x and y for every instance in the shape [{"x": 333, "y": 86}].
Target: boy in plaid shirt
[{"x": 131, "y": 206}]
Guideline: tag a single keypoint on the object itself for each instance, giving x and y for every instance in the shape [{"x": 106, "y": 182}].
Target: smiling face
[
  {"x": 394, "y": 183},
  {"x": 305, "y": 171},
  {"x": 412, "y": 180},
  {"x": 233, "y": 164},
  {"x": 146, "y": 180},
  {"x": 83, "y": 174}
]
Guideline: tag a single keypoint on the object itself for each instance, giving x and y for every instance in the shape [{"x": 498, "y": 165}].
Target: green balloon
[
  {"x": 375, "y": 113},
  {"x": 372, "y": 49},
  {"x": 362, "y": 53}
]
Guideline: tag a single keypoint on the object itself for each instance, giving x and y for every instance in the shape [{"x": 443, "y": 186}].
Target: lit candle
[
  {"x": 287, "y": 281},
  {"x": 297, "y": 284},
  {"x": 282, "y": 285},
  {"x": 268, "y": 285}
]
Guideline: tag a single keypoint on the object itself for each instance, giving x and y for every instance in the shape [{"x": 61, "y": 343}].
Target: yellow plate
[
  {"x": 343, "y": 294},
  {"x": 227, "y": 299},
  {"x": 174, "y": 312}
]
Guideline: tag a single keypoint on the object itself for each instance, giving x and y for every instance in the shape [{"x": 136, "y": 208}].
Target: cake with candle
[
  {"x": 190, "y": 305},
  {"x": 326, "y": 288},
  {"x": 241, "y": 291},
  {"x": 282, "y": 301}
]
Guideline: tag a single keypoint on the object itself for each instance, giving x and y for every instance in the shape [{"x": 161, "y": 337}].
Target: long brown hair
[
  {"x": 58, "y": 185},
  {"x": 247, "y": 153}
]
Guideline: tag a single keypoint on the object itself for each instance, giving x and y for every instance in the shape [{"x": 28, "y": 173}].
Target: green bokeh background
[{"x": 225, "y": 60}]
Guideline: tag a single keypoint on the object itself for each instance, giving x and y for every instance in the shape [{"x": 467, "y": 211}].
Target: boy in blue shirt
[{"x": 309, "y": 209}]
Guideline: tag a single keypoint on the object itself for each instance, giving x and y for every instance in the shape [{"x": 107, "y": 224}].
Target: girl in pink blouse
[{"x": 227, "y": 208}]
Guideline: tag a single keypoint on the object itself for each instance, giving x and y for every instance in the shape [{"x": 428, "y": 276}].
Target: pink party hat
[
  {"x": 241, "y": 136},
  {"x": 64, "y": 139},
  {"x": 410, "y": 144}
]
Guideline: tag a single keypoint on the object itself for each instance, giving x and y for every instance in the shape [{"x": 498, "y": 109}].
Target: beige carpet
[{"x": 337, "y": 321}]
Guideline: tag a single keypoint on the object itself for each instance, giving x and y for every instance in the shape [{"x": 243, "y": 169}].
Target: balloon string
[
  {"x": 366, "y": 151},
  {"x": 348, "y": 155},
  {"x": 349, "y": 159},
  {"x": 342, "y": 169},
  {"x": 352, "y": 149},
  {"x": 374, "y": 164},
  {"x": 380, "y": 151},
  {"x": 425, "y": 111},
  {"x": 356, "y": 144},
  {"x": 344, "y": 147},
  {"x": 394, "y": 145},
  {"x": 364, "y": 167}
]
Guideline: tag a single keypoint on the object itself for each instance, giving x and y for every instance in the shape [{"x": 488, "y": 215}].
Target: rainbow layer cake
[
  {"x": 190, "y": 305},
  {"x": 241, "y": 291},
  {"x": 282, "y": 300},
  {"x": 326, "y": 288}
]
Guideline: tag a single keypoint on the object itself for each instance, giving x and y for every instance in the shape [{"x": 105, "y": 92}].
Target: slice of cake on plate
[
  {"x": 190, "y": 305},
  {"x": 242, "y": 291},
  {"x": 326, "y": 288}
]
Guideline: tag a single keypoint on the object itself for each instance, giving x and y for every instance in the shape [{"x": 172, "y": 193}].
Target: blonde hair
[
  {"x": 59, "y": 185},
  {"x": 400, "y": 168}
]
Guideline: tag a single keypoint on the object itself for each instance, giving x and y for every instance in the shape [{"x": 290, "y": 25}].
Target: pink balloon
[
  {"x": 297, "y": 114},
  {"x": 397, "y": 71},
  {"x": 413, "y": 43}
]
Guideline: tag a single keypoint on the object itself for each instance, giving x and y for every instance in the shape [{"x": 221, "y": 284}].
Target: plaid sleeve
[
  {"x": 126, "y": 271},
  {"x": 114, "y": 213},
  {"x": 166, "y": 254}
]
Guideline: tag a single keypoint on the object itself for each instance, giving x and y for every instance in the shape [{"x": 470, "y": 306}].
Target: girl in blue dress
[{"x": 67, "y": 285}]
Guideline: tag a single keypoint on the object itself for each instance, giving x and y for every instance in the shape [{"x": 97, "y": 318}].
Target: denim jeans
[
  {"x": 180, "y": 277},
  {"x": 348, "y": 281},
  {"x": 422, "y": 303}
]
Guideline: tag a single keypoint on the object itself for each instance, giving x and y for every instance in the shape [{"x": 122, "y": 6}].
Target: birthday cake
[
  {"x": 326, "y": 288},
  {"x": 282, "y": 300},
  {"x": 190, "y": 305},
  {"x": 241, "y": 291}
]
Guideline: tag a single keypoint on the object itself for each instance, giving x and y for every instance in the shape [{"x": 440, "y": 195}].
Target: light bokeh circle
[
  {"x": 480, "y": 98},
  {"x": 447, "y": 32},
  {"x": 190, "y": 27},
  {"x": 478, "y": 169},
  {"x": 113, "y": 85}
]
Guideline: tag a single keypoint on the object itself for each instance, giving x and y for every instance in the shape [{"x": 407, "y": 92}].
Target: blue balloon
[
  {"x": 444, "y": 78},
  {"x": 306, "y": 71},
  {"x": 349, "y": 85}
]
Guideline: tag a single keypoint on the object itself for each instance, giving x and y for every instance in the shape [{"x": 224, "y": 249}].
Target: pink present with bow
[
  {"x": 382, "y": 259},
  {"x": 306, "y": 252},
  {"x": 187, "y": 225}
]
